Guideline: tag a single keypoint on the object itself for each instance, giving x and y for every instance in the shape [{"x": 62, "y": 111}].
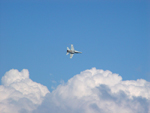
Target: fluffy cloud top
[
  {"x": 91, "y": 91},
  {"x": 19, "y": 92}
]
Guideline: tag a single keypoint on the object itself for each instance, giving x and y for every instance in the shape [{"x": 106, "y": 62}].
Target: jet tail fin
[{"x": 67, "y": 51}]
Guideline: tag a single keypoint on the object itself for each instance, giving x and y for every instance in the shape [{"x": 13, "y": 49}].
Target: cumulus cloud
[
  {"x": 91, "y": 91},
  {"x": 18, "y": 93}
]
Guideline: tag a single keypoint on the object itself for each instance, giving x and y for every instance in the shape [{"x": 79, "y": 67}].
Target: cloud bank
[
  {"x": 91, "y": 91},
  {"x": 19, "y": 94}
]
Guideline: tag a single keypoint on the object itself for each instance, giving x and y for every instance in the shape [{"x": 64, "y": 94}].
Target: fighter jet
[{"x": 71, "y": 51}]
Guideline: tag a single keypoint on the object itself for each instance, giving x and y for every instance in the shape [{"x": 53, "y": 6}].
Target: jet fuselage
[{"x": 73, "y": 51}]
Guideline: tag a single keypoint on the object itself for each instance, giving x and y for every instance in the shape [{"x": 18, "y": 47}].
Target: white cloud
[
  {"x": 91, "y": 91},
  {"x": 19, "y": 92}
]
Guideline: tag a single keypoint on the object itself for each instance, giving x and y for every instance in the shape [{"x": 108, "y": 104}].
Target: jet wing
[
  {"x": 71, "y": 55},
  {"x": 72, "y": 48}
]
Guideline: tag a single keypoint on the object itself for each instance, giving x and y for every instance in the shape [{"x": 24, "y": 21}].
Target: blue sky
[{"x": 112, "y": 36}]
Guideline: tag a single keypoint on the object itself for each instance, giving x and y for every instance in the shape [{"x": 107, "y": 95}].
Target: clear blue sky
[{"x": 113, "y": 36}]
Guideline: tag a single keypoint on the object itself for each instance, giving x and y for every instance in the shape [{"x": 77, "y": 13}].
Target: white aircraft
[{"x": 71, "y": 51}]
